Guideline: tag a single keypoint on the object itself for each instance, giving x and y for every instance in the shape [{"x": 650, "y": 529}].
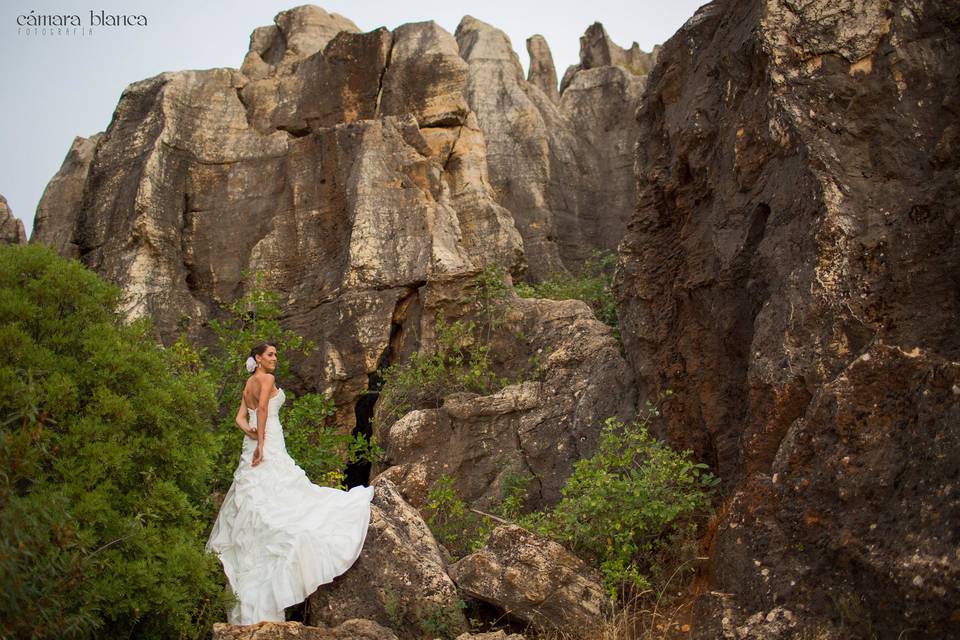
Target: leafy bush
[
  {"x": 459, "y": 529},
  {"x": 628, "y": 505},
  {"x": 593, "y": 285},
  {"x": 461, "y": 362},
  {"x": 105, "y": 459},
  {"x": 320, "y": 449}
]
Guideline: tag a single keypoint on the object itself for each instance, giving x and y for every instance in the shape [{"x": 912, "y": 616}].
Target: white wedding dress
[{"x": 278, "y": 535}]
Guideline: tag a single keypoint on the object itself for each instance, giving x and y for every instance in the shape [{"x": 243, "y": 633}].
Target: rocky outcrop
[
  {"x": 354, "y": 178},
  {"x": 563, "y": 169},
  {"x": 62, "y": 199},
  {"x": 538, "y": 428},
  {"x": 542, "y": 73},
  {"x": 534, "y": 580},
  {"x": 295, "y": 35},
  {"x": 11, "y": 227},
  {"x": 350, "y": 630},
  {"x": 790, "y": 274},
  {"x": 400, "y": 578},
  {"x": 598, "y": 50}
]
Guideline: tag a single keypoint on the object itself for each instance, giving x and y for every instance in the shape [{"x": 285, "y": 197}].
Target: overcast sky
[{"x": 61, "y": 86}]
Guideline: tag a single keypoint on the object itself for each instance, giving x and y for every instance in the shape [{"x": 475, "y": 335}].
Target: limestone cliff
[{"x": 791, "y": 274}]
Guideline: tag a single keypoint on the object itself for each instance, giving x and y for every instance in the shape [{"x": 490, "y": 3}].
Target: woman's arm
[
  {"x": 243, "y": 422},
  {"x": 266, "y": 386}
]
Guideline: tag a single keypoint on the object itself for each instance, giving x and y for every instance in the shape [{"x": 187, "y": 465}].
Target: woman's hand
[{"x": 257, "y": 456}]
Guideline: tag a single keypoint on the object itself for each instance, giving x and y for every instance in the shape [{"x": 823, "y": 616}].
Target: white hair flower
[{"x": 251, "y": 364}]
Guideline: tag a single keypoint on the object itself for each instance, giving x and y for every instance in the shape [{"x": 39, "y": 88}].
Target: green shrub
[
  {"x": 459, "y": 529},
  {"x": 319, "y": 448},
  {"x": 105, "y": 462},
  {"x": 629, "y": 505}
]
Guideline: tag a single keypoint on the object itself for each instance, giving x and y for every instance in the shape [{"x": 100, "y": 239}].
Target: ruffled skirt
[{"x": 279, "y": 536}]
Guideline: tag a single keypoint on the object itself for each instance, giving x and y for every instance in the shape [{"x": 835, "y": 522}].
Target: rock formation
[
  {"x": 539, "y": 427},
  {"x": 350, "y": 630},
  {"x": 542, "y": 73},
  {"x": 398, "y": 581},
  {"x": 56, "y": 218},
  {"x": 791, "y": 274},
  {"x": 11, "y": 227},
  {"x": 534, "y": 580},
  {"x": 564, "y": 170}
]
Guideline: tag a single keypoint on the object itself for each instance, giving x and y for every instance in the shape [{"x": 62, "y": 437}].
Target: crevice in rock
[
  {"x": 526, "y": 463},
  {"x": 383, "y": 73},
  {"x": 296, "y": 131},
  {"x": 453, "y": 148},
  {"x": 359, "y": 473}
]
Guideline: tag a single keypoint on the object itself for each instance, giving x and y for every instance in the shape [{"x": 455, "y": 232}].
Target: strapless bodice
[{"x": 273, "y": 405}]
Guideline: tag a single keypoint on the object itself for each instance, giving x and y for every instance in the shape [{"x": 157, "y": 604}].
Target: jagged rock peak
[
  {"x": 296, "y": 34},
  {"x": 542, "y": 73},
  {"x": 481, "y": 41},
  {"x": 598, "y": 50},
  {"x": 11, "y": 227}
]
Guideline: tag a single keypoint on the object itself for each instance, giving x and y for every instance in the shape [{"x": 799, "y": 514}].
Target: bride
[{"x": 278, "y": 535}]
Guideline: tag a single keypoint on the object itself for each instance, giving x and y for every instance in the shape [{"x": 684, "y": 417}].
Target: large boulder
[
  {"x": 539, "y": 427},
  {"x": 791, "y": 275},
  {"x": 354, "y": 629},
  {"x": 399, "y": 580},
  {"x": 534, "y": 580},
  {"x": 11, "y": 227}
]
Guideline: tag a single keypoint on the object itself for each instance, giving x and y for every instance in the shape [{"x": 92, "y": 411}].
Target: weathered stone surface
[
  {"x": 62, "y": 199},
  {"x": 354, "y": 629},
  {"x": 563, "y": 172},
  {"x": 11, "y": 227},
  {"x": 598, "y": 50},
  {"x": 400, "y": 578},
  {"x": 492, "y": 635},
  {"x": 542, "y": 72},
  {"x": 535, "y": 580},
  {"x": 791, "y": 275},
  {"x": 296, "y": 34},
  {"x": 426, "y": 76},
  {"x": 539, "y": 427}
]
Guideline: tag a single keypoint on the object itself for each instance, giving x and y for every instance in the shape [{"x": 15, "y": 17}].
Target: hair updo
[{"x": 258, "y": 350}]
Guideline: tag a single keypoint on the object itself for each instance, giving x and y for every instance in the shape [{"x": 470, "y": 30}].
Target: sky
[{"x": 57, "y": 87}]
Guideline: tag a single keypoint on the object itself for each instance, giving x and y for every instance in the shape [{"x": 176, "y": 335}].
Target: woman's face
[{"x": 268, "y": 360}]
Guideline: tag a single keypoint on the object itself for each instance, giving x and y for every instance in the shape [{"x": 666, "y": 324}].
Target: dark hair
[{"x": 260, "y": 348}]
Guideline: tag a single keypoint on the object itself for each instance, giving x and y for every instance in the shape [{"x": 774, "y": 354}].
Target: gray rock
[
  {"x": 353, "y": 629},
  {"x": 400, "y": 578},
  {"x": 542, "y": 72},
  {"x": 561, "y": 169},
  {"x": 535, "y": 580},
  {"x": 792, "y": 224},
  {"x": 296, "y": 34},
  {"x": 598, "y": 50},
  {"x": 540, "y": 427},
  {"x": 11, "y": 227},
  {"x": 56, "y": 217}
]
